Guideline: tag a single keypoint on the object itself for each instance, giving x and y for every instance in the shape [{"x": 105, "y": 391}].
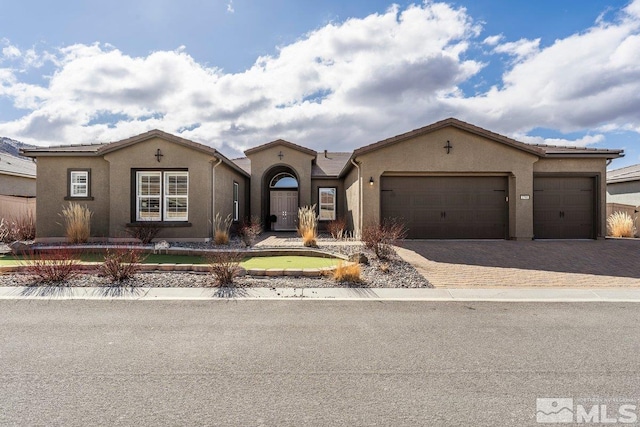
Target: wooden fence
[{"x": 12, "y": 206}]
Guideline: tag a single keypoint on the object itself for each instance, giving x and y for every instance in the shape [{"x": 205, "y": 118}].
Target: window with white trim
[
  {"x": 236, "y": 205},
  {"x": 79, "y": 184},
  {"x": 162, "y": 196},
  {"x": 327, "y": 204}
]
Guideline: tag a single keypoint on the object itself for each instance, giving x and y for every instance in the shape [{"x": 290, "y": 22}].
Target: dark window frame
[
  {"x": 133, "y": 191},
  {"x": 335, "y": 203},
  {"x": 236, "y": 201},
  {"x": 88, "y": 196}
]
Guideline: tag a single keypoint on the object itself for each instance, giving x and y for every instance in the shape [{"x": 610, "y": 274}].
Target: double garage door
[
  {"x": 447, "y": 207},
  {"x": 461, "y": 207}
]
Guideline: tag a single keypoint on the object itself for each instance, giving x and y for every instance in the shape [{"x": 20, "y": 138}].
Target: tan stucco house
[
  {"x": 623, "y": 185},
  {"x": 450, "y": 179}
]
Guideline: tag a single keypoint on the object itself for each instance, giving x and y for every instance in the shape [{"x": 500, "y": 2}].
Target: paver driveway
[{"x": 568, "y": 263}]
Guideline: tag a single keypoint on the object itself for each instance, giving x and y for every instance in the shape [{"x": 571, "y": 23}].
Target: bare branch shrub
[
  {"x": 121, "y": 264},
  {"x": 53, "y": 267},
  {"x": 145, "y": 231},
  {"x": 381, "y": 238},
  {"x": 250, "y": 230},
  {"x": 224, "y": 266},
  {"x": 308, "y": 225},
  {"x": 77, "y": 221},
  {"x": 337, "y": 228},
  {"x": 221, "y": 229}
]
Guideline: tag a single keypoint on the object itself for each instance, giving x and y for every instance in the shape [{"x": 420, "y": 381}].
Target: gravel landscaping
[{"x": 392, "y": 273}]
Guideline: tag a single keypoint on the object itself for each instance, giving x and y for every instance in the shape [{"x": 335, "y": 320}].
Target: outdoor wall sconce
[{"x": 371, "y": 181}]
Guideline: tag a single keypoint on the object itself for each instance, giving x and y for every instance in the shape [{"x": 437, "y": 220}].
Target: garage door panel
[
  {"x": 448, "y": 207},
  {"x": 564, "y": 207}
]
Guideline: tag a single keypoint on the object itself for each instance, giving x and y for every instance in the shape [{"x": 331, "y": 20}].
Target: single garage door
[
  {"x": 447, "y": 207},
  {"x": 564, "y": 207}
]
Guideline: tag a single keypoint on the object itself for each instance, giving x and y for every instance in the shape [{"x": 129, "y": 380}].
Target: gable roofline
[
  {"x": 624, "y": 174},
  {"x": 540, "y": 150},
  {"x": 106, "y": 148},
  {"x": 283, "y": 143}
]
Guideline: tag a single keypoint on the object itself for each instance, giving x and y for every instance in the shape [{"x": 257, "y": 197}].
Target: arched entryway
[{"x": 282, "y": 198}]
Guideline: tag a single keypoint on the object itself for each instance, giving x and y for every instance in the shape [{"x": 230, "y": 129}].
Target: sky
[{"x": 335, "y": 74}]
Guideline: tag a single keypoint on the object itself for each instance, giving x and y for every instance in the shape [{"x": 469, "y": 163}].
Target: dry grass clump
[
  {"x": 77, "y": 221},
  {"x": 620, "y": 224},
  {"x": 221, "y": 229},
  {"x": 348, "y": 273},
  {"x": 308, "y": 225},
  {"x": 21, "y": 227}
]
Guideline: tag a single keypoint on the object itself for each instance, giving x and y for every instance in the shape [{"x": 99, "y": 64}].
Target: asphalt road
[{"x": 280, "y": 363}]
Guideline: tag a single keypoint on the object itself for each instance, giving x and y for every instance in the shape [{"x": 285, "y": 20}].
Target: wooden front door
[{"x": 284, "y": 205}]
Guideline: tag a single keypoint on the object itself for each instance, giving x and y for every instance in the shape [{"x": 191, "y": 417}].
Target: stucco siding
[
  {"x": 224, "y": 179},
  {"x": 142, "y": 156},
  {"x": 470, "y": 155},
  {"x": 340, "y": 199},
  {"x": 11, "y": 185},
  {"x": 626, "y": 193},
  {"x": 352, "y": 200},
  {"x": 52, "y": 188},
  {"x": 265, "y": 160}
]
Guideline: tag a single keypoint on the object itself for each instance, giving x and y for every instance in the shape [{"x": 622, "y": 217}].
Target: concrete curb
[{"x": 322, "y": 294}]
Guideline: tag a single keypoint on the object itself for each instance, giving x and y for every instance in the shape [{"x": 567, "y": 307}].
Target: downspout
[
  {"x": 360, "y": 214},
  {"x": 213, "y": 195}
]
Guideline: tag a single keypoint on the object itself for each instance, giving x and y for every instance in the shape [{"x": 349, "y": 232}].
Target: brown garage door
[
  {"x": 447, "y": 207},
  {"x": 564, "y": 207}
]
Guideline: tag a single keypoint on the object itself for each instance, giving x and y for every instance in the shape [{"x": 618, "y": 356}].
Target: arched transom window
[{"x": 283, "y": 180}]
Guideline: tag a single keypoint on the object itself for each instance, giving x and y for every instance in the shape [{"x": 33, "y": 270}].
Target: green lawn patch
[{"x": 294, "y": 261}]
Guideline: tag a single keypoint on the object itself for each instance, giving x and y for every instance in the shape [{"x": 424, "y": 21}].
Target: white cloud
[
  {"x": 230, "y": 8},
  {"x": 340, "y": 86},
  {"x": 581, "y": 142},
  {"x": 522, "y": 48},
  {"x": 493, "y": 40},
  {"x": 11, "y": 52}
]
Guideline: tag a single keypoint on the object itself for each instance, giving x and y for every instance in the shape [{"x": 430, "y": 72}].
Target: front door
[{"x": 284, "y": 205}]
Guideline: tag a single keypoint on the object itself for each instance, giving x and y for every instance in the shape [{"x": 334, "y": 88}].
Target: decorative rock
[
  {"x": 241, "y": 271},
  {"x": 20, "y": 248},
  {"x": 360, "y": 258}
]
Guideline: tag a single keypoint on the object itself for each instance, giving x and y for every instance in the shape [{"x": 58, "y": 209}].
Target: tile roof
[
  {"x": 243, "y": 163},
  {"x": 329, "y": 166},
  {"x": 537, "y": 149},
  {"x": 629, "y": 173},
  {"x": 280, "y": 142},
  {"x": 12, "y": 165}
]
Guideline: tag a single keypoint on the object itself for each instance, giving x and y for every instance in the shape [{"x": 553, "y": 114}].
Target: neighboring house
[
  {"x": 17, "y": 186},
  {"x": 450, "y": 179},
  {"x": 623, "y": 186}
]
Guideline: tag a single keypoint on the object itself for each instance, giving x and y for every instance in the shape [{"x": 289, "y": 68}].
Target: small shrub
[
  {"x": 337, "y": 228},
  {"x": 381, "y": 238},
  {"x": 308, "y": 225},
  {"x": 349, "y": 273},
  {"x": 221, "y": 229},
  {"x": 250, "y": 230},
  {"x": 224, "y": 266},
  {"x": 144, "y": 231},
  {"x": 77, "y": 221},
  {"x": 385, "y": 267},
  {"x": 120, "y": 264},
  {"x": 54, "y": 267},
  {"x": 22, "y": 227},
  {"x": 620, "y": 224}
]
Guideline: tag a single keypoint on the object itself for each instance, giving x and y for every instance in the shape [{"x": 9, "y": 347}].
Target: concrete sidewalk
[{"x": 323, "y": 294}]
